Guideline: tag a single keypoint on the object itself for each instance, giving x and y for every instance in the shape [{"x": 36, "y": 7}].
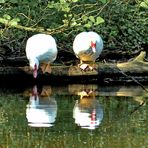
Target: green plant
[{"x": 122, "y": 24}]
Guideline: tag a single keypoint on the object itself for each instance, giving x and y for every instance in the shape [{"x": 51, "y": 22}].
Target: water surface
[{"x": 73, "y": 116}]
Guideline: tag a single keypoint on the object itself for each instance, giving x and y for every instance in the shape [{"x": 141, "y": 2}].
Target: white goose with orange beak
[
  {"x": 41, "y": 50},
  {"x": 87, "y": 46}
]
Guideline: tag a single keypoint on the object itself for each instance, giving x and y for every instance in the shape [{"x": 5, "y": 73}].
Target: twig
[
  {"x": 134, "y": 80},
  {"x": 137, "y": 108}
]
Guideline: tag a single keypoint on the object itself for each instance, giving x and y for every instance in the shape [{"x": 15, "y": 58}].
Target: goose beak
[
  {"x": 35, "y": 74},
  {"x": 35, "y": 71},
  {"x": 93, "y": 46}
]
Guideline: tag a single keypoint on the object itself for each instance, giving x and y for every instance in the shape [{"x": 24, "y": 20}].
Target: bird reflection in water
[
  {"x": 41, "y": 111},
  {"x": 87, "y": 112}
]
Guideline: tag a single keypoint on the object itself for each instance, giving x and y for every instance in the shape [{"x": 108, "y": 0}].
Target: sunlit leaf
[
  {"x": 51, "y": 5},
  {"x": 88, "y": 25},
  {"x": 65, "y": 7},
  {"x": 2, "y": 1},
  {"x": 14, "y": 21},
  {"x": 13, "y": 1},
  {"x": 84, "y": 18},
  {"x": 6, "y": 16},
  {"x": 92, "y": 19},
  {"x": 99, "y": 20},
  {"x": 144, "y": 4},
  {"x": 103, "y": 1},
  {"x": 74, "y": 24},
  {"x": 2, "y": 20},
  {"x": 75, "y": 1},
  {"x": 65, "y": 21}
]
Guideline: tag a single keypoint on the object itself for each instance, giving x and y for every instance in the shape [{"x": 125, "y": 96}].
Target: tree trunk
[{"x": 135, "y": 71}]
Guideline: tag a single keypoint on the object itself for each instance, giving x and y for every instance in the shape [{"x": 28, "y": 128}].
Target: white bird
[
  {"x": 41, "y": 50},
  {"x": 87, "y": 112},
  {"x": 87, "y": 46},
  {"x": 41, "y": 111}
]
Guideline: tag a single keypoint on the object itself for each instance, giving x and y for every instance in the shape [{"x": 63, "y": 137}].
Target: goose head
[{"x": 34, "y": 65}]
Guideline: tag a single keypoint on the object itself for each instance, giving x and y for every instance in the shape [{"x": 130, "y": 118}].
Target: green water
[{"x": 73, "y": 116}]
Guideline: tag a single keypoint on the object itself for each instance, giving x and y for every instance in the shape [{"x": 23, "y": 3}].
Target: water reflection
[
  {"x": 87, "y": 112},
  {"x": 121, "y": 121},
  {"x": 41, "y": 111}
]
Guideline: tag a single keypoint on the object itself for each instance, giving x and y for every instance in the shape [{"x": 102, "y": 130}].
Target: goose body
[
  {"x": 87, "y": 112},
  {"x": 87, "y": 46},
  {"x": 40, "y": 48},
  {"x": 41, "y": 111}
]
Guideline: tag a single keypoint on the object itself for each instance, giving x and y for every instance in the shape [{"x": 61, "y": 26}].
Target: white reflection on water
[
  {"x": 41, "y": 111},
  {"x": 87, "y": 112}
]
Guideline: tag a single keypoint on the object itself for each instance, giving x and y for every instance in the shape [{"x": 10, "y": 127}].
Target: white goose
[
  {"x": 41, "y": 111},
  {"x": 87, "y": 112},
  {"x": 41, "y": 49},
  {"x": 87, "y": 46}
]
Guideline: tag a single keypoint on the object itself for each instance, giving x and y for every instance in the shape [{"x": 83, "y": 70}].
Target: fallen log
[{"x": 135, "y": 71}]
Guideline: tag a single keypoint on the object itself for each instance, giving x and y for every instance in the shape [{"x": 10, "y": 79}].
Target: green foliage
[
  {"x": 125, "y": 26},
  {"x": 6, "y": 19},
  {"x": 2, "y": 1},
  {"x": 122, "y": 24},
  {"x": 144, "y": 4}
]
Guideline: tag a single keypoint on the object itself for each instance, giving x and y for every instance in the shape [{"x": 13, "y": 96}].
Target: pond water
[{"x": 73, "y": 116}]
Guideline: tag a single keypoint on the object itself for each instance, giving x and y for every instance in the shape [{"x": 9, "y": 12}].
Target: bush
[{"x": 122, "y": 24}]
